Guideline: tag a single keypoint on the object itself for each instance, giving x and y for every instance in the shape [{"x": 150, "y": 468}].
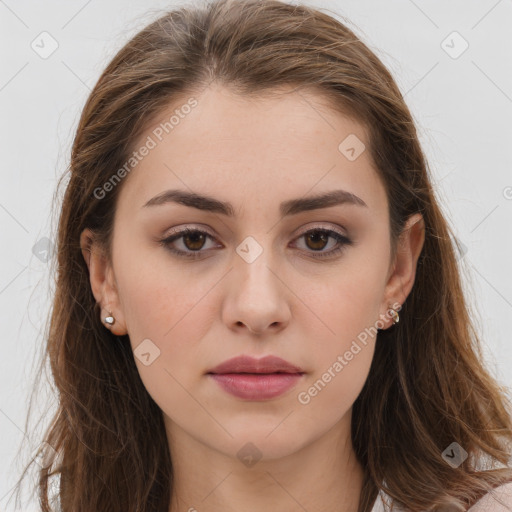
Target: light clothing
[{"x": 488, "y": 503}]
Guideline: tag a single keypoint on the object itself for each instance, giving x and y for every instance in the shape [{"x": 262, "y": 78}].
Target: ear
[
  {"x": 102, "y": 280},
  {"x": 403, "y": 269}
]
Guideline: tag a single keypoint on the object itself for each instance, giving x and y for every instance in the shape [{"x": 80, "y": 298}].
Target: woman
[{"x": 258, "y": 305}]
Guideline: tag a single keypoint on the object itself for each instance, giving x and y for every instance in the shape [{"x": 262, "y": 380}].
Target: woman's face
[{"x": 258, "y": 278}]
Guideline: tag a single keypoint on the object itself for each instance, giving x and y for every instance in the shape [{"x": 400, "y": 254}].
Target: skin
[{"x": 287, "y": 302}]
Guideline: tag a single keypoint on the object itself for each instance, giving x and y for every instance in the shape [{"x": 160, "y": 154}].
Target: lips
[
  {"x": 256, "y": 379},
  {"x": 247, "y": 364}
]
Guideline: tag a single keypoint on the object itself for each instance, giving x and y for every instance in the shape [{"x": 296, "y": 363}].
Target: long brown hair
[{"x": 427, "y": 387}]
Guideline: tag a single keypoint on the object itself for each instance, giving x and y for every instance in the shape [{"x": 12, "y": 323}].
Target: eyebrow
[{"x": 289, "y": 207}]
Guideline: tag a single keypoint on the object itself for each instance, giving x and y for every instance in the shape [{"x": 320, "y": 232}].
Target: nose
[{"x": 256, "y": 299}]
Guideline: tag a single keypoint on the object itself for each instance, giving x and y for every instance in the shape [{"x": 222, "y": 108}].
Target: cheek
[
  {"x": 341, "y": 361},
  {"x": 349, "y": 302},
  {"x": 348, "y": 306},
  {"x": 343, "y": 354},
  {"x": 168, "y": 311},
  {"x": 158, "y": 295},
  {"x": 328, "y": 395}
]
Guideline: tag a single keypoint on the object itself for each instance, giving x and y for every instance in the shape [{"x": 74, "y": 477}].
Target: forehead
[{"x": 255, "y": 149}]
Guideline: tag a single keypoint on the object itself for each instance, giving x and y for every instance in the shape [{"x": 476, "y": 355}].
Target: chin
[{"x": 255, "y": 444}]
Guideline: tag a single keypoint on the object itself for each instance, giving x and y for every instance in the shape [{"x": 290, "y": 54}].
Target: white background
[{"x": 462, "y": 107}]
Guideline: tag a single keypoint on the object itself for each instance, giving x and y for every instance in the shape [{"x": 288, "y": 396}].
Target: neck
[{"x": 323, "y": 476}]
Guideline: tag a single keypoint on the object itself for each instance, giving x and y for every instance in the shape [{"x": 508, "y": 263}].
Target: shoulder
[{"x": 498, "y": 500}]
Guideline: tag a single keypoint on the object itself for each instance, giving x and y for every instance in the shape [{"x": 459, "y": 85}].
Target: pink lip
[
  {"x": 256, "y": 379},
  {"x": 248, "y": 364}
]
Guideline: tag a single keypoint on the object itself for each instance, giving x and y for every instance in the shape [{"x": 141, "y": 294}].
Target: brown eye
[
  {"x": 318, "y": 239},
  {"x": 194, "y": 241}
]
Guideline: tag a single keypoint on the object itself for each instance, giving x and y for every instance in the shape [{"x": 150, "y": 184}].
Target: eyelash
[{"x": 342, "y": 240}]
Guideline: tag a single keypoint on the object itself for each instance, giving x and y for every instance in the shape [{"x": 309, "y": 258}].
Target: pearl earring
[{"x": 109, "y": 320}]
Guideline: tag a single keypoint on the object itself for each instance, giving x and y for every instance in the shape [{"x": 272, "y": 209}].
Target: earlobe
[{"x": 102, "y": 283}]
